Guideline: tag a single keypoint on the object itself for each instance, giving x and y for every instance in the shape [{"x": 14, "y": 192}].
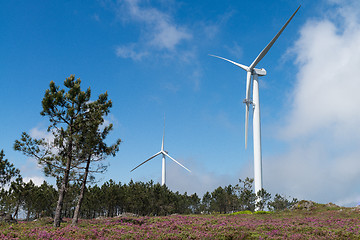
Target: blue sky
[{"x": 152, "y": 59}]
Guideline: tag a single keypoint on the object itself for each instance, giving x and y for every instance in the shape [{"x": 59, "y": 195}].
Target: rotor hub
[{"x": 247, "y": 101}]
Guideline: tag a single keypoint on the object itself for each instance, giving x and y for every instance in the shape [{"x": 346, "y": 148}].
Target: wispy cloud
[
  {"x": 235, "y": 50},
  {"x": 158, "y": 31},
  {"x": 156, "y": 34},
  {"x": 322, "y": 131},
  {"x": 159, "y": 36},
  {"x": 129, "y": 51},
  {"x": 31, "y": 170},
  {"x": 37, "y": 180},
  {"x": 96, "y": 17},
  {"x": 199, "y": 181},
  {"x": 211, "y": 29},
  {"x": 41, "y": 133}
]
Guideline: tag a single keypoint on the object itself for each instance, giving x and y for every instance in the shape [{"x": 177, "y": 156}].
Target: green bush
[
  {"x": 241, "y": 212},
  {"x": 263, "y": 212}
]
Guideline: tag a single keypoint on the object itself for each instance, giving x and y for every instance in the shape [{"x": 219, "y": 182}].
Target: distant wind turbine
[
  {"x": 255, "y": 72},
  {"x": 163, "y": 153}
]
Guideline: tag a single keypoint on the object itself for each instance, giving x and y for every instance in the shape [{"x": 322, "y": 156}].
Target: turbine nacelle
[{"x": 259, "y": 72}]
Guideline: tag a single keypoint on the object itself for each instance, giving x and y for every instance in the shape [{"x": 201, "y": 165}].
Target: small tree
[
  {"x": 29, "y": 197},
  {"x": 194, "y": 204},
  {"x": 281, "y": 203},
  {"x": 7, "y": 170},
  {"x": 262, "y": 198},
  {"x": 205, "y": 203},
  {"x": 246, "y": 195},
  {"x": 16, "y": 191},
  {"x": 231, "y": 198},
  {"x": 219, "y": 200},
  {"x": 45, "y": 197}
]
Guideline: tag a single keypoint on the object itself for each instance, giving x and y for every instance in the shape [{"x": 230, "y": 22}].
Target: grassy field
[{"x": 320, "y": 223}]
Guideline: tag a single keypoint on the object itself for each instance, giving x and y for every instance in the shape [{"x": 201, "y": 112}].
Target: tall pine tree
[
  {"x": 91, "y": 146},
  {"x": 72, "y": 129}
]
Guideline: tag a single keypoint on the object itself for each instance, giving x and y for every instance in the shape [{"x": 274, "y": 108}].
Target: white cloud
[
  {"x": 322, "y": 162},
  {"x": 30, "y": 165},
  {"x": 110, "y": 119},
  {"x": 35, "y": 179},
  {"x": 168, "y": 36},
  {"x": 199, "y": 181},
  {"x": 129, "y": 52},
  {"x": 30, "y": 170},
  {"x": 158, "y": 30},
  {"x": 41, "y": 133},
  {"x": 327, "y": 90},
  {"x": 160, "y": 37},
  {"x": 349, "y": 200},
  {"x": 309, "y": 171}
]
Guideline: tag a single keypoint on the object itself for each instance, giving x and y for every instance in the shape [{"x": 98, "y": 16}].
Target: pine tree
[
  {"x": 7, "y": 170},
  {"x": 247, "y": 197},
  {"x": 91, "y": 147},
  {"x": 74, "y": 121}
]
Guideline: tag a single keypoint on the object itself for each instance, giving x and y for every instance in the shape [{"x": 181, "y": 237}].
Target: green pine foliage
[
  {"x": 135, "y": 198},
  {"x": 7, "y": 170},
  {"x": 76, "y": 124}
]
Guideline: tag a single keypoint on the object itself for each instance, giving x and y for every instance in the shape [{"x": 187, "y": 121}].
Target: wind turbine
[
  {"x": 164, "y": 154},
  {"x": 254, "y": 73}
]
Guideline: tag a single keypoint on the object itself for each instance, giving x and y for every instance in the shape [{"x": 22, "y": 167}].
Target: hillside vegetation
[{"x": 320, "y": 222}]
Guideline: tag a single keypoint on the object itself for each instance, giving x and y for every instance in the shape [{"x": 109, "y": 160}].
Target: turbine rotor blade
[
  {"x": 175, "y": 161},
  {"x": 247, "y": 102},
  {"x": 267, "y": 48},
  {"x": 145, "y": 161},
  {"x": 162, "y": 144},
  {"x": 237, "y": 64}
]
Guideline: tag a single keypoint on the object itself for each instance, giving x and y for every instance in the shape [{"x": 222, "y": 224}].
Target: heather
[{"x": 321, "y": 222}]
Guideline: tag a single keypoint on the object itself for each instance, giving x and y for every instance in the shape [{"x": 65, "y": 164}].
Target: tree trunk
[
  {"x": 16, "y": 214},
  {"x": 60, "y": 201},
  {"x": 63, "y": 188},
  {"x": 28, "y": 215},
  {"x": 64, "y": 184},
  {"x": 82, "y": 193}
]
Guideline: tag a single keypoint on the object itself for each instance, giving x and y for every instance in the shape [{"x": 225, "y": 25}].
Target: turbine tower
[
  {"x": 255, "y": 73},
  {"x": 164, "y": 154}
]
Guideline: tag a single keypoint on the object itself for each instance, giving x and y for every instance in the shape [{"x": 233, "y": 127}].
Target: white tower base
[
  {"x": 163, "y": 175},
  {"x": 257, "y": 136}
]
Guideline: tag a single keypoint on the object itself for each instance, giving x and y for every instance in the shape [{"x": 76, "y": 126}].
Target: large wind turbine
[
  {"x": 254, "y": 73},
  {"x": 164, "y": 154}
]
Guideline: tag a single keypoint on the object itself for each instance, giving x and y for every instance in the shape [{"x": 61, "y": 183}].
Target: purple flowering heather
[{"x": 332, "y": 224}]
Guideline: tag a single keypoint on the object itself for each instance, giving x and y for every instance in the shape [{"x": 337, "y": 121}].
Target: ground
[{"x": 319, "y": 222}]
